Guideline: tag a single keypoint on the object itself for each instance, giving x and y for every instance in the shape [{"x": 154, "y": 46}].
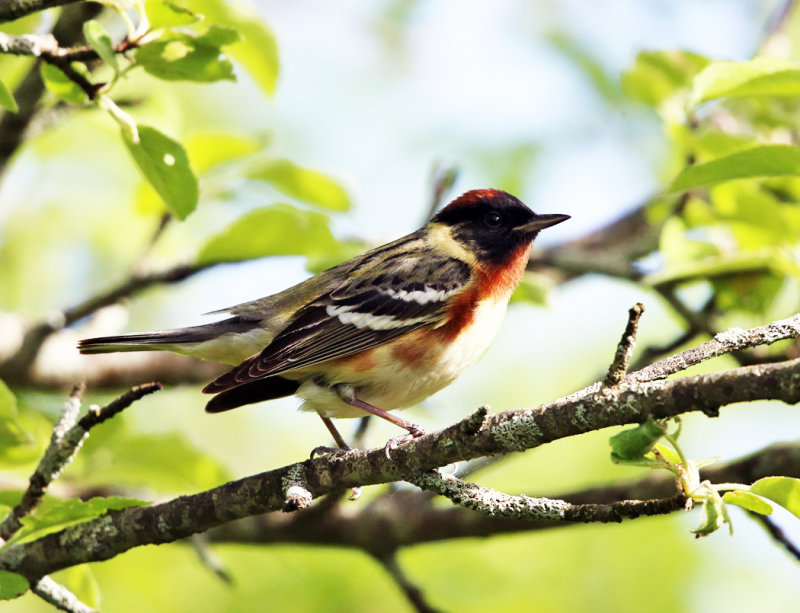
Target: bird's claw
[
  {"x": 325, "y": 450},
  {"x": 413, "y": 432}
]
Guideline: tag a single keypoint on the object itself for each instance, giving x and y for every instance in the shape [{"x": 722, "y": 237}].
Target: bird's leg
[
  {"x": 340, "y": 442},
  {"x": 341, "y": 445},
  {"x": 348, "y": 394},
  {"x": 355, "y": 492}
]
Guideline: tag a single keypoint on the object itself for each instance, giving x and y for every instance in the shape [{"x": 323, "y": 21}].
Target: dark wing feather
[{"x": 372, "y": 307}]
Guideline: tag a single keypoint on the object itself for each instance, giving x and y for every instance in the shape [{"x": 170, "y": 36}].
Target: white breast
[{"x": 390, "y": 384}]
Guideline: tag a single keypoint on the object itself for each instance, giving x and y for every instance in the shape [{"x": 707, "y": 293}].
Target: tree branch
[
  {"x": 68, "y": 435},
  {"x": 58, "y": 454},
  {"x": 407, "y": 518},
  {"x": 68, "y": 30},
  {"x": 14, "y": 9},
  {"x": 729, "y": 341},
  {"x": 619, "y": 366},
  {"x": 497, "y": 504},
  {"x": 777, "y": 534},
  {"x": 18, "y": 366},
  {"x": 596, "y": 407},
  {"x": 412, "y": 592},
  {"x": 59, "y": 596}
]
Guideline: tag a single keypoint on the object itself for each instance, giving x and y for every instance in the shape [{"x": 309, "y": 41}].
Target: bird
[{"x": 379, "y": 332}]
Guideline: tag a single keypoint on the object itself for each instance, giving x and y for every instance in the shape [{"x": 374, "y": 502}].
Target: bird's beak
[{"x": 540, "y": 222}]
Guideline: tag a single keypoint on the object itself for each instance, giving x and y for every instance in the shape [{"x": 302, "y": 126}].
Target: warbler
[{"x": 381, "y": 331}]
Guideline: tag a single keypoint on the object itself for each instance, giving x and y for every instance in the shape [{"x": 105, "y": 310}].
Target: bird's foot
[
  {"x": 392, "y": 443},
  {"x": 325, "y": 450}
]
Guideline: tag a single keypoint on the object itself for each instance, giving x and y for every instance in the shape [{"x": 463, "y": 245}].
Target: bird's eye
[{"x": 493, "y": 220}]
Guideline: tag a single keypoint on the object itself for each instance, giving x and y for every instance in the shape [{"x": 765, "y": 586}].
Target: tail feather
[
  {"x": 249, "y": 393},
  {"x": 152, "y": 341}
]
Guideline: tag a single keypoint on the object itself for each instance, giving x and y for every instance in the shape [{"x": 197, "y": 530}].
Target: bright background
[{"x": 375, "y": 94}]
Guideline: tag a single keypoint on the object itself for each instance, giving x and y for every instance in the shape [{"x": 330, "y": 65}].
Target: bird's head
[{"x": 490, "y": 225}]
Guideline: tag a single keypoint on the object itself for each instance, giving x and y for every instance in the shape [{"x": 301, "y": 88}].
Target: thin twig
[
  {"x": 732, "y": 340},
  {"x": 777, "y": 534},
  {"x": 65, "y": 66},
  {"x": 209, "y": 559},
  {"x": 68, "y": 435},
  {"x": 45, "y": 46},
  {"x": 778, "y": 20},
  {"x": 18, "y": 364},
  {"x": 658, "y": 352},
  {"x": 57, "y": 455},
  {"x": 59, "y": 596},
  {"x": 622, "y": 357},
  {"x": 415, "y": 596},
  {"x": 444, "y": 177},
  {"x": 97, "y": 416},
  {"x": 498, "y": 504},
  {"x": 68, "y": 30}
]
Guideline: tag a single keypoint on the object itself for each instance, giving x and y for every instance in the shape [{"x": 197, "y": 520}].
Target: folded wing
[{"x": 376, "y": 304}]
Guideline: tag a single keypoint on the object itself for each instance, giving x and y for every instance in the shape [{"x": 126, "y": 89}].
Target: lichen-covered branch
[
  {"x": 525, "y": 508},
  {"x": 729, "y": 341},
  {"x": 69, "y": 433},
  {"x": 622, "y": 357},
  {"x": 476, "y": 436},
  {"x": 64, "y": 443},
  {"x": 59, "y": 596},
  {"x": 406, "y": 517}
]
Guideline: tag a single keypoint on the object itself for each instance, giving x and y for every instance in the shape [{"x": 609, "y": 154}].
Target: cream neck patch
[{"x": 441, "y": 236}]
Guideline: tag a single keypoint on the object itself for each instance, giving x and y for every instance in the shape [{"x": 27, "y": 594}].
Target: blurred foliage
[{"x": 169, "y": 139}]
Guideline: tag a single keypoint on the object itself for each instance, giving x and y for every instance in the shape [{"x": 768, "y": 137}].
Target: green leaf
[
  {"x": 713, "y": 516},
  {"x": 275, "y": 230},
  {"x": 762, "y": 76},
  {"x": 7, "y": 98},
  {"x": 165, "y": 165},
  {"x": 657, "y": 76},
  {"x": 67, "y": 513},
  {"x": 165, "y": 14},
  {"x": 533, "y": 289},
  {"x": 783, "y": 490},
  {"x": 209, "y": 149},
  {"x": 257, "y": 51},
  {"x": 764, "y": 161},
  {"x": 668, "y": 453},
  {"x": 303, "y": 184},
  {"x": 634, "y": 443},
  {"x": 100, "y": 41},
  {"x": 12, "y": 585},
  {"x": 716, "y": 266},
  {"x": 182, "y": 57},
  {"x": 61, "y": 85},
  {"x": 749, "y": 501}
]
